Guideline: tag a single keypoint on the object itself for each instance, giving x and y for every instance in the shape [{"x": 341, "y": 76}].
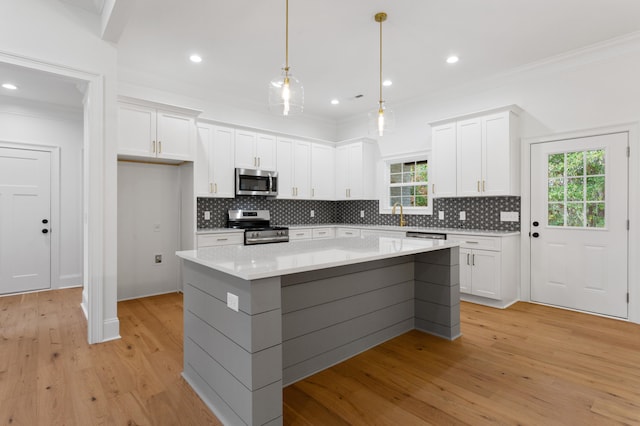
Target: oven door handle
[
  {"x": 270, "y": 183},
  {"x": 267, "y": 240}
]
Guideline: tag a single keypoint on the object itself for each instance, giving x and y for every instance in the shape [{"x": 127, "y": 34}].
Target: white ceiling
[{"x": 333, "y": 44}]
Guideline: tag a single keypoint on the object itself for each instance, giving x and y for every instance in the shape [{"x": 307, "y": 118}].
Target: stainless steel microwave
[{"x": 256, "y": 182}]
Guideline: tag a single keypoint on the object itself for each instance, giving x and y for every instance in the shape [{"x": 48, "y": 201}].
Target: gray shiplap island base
[{"x": 305, "y": 306}]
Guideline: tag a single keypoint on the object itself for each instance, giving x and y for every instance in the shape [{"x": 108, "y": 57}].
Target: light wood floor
[{"x": 529, "y": 364}]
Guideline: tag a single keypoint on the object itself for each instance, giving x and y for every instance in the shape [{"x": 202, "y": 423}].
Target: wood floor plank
[{"x": 529, "y": 364}]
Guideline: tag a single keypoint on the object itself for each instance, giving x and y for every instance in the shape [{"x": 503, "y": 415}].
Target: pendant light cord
[
  {"x": 380, "y": 63},
  {"x": 286, "y": 43}
]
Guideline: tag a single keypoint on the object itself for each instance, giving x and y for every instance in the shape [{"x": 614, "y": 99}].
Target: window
[
  {"x": 407, "y": 183},
  {"x": 576, "y": 183}
]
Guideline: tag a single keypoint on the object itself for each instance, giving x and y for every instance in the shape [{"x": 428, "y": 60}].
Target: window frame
[{"x": 384, "y": 207}]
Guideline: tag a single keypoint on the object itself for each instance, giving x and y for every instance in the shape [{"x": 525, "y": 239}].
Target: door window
[{"x": 576, "y": 189}]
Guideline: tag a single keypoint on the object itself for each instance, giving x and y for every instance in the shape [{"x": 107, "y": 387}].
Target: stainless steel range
[{"x": 257, "y": 227}]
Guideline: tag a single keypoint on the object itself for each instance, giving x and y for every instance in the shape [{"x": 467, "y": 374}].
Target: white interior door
[
  {"x": 25, "y": 198},
  {"x": 579, "y": 212}
]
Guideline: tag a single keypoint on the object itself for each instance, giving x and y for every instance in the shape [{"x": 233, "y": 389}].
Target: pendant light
[
  {"x": 382, "y": 118},
  {"x": 286, "y": 94}
]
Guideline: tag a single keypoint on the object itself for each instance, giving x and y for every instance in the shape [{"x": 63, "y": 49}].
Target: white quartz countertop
[
  {"x": 271, "y": 260},
  {"x": 451, "y": 231}
]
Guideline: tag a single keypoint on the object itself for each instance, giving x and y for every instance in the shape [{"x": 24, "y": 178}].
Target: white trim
[
  {"x": 634, "y": 209},
  {"x": 99, "y": 328}
]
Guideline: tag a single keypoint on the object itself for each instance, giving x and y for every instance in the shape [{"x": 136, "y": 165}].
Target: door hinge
[
  {"x": 628, "y": 151},
  {"x": 627, "y": 297},
  {"x": 628, "y": 225}
]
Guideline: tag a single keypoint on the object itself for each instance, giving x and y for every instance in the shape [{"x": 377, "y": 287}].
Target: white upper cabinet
[
  {"x": 214, "y": 168},
  {"x": 442, "y": 170},
  {"x": 149, "y": 131},
  {"x": 323, "y": 169},
  {"x": 486, "y": 152},
  {"x": 294, "y": 167},
  {"x": 355, "y": 171},
  {"x": 255, "y": 150}
]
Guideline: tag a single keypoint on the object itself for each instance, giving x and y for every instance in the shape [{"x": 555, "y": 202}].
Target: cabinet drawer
[
  {"x": 300, "y": 234},
  {"x": 347, "y": 232},
  {"x": 324, "y": 233},
  {"x": 475, "y": 242},
  {"x": 210, "y": 240}
]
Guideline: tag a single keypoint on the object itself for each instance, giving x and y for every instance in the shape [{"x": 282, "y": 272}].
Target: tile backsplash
[{"x": 481, "y": 212}]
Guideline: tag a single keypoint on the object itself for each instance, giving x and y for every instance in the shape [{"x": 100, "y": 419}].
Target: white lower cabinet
[
  {"x": 300, "y": 234},
  {"x": 488, "y": 269},
  {"x": 220, "y": 239},
  {"x": 383, "y": 233},
  {"x": 323, "y": 233}
]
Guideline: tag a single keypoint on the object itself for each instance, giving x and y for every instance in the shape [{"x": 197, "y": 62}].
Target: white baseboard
[{"x": 111, "y": 329}]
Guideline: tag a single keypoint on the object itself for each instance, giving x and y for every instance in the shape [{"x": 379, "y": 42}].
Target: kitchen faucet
[{"x": 393, "y": 211}]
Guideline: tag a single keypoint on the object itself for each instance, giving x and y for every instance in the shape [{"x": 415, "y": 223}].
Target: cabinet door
[
  {"x": 245, "y": 153},
  {"x": 496, "y": 149},
  {"x": 323, "y": 165},
  {"x": 465, "y": 270},
  {"x": 469, "y": 154},
  {"x": 285, "y": 168},
  {"x": 442, "y": 171},
  {"x": 301, "y": 169},
  {"x": 221, "y": 168},
  {"x": 342, "y": 172},
  {"x": 266, "y": 152},
  {"x": 136, "y": 130},
  {"x": 355, "y": 170},
  {"x": 202, "y": 179},
  {"x": 486, "y": 273},
  {"x": 174, "y": 136}
]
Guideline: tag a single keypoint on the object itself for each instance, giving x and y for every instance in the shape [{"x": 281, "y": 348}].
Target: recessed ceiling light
[
  {"x": 10, "y": 86},
  {"x": 452, "y": 59},
  {"x": 195, "y": 58},
  {"x": 335, "y": 101},
  {"x": 387, "y": 83}
]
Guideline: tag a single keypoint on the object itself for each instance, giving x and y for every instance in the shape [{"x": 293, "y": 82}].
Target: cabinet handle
[
  {"x": 299, "y": 234},
  {"x": 313, "y": 192},
  {"x": 293, "y": 191},
  {"x": 210, "y": 188},
  {"x": 473, "y": 260},
  {"x": 255, "y": 161},
  {"x": 483, "y": 190},
  {"x": 222, "y": 239},
  {"x": 472, "y": 242},
  {"x": 215, "y": 186},
  {"x": 159, "y": 147},
  {"x": 153, "y": 143},
  {"x": 433, "y": 188},
  {"x": 321, "y": 233},
  {"x": 258, "y": 161},
  {"x": 478, "y": 184},
  {"x": 467, "y": 258}
]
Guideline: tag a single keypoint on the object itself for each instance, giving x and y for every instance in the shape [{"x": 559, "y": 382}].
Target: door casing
[{"x": 634, "y": 208}]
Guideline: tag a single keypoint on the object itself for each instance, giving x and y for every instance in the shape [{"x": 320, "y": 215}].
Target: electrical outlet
[
  {"x": 232, "y": 301},
  {"x": 509, "y": 217},
  {"x": 361, "y": 213},
  {"x": 156, "y": 227},
  {"x": 158, "y": 258},
  {"x": 441, "y": 215},
  {"x": 207, "y": 215},
  {"x": 313, "y": 213},
  {"x": 463, "y": 215}
]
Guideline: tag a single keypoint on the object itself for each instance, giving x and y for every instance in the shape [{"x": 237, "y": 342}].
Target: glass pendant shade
[
  {"x": 381, "y": 121},
  {"x": 286, "y": 95}
]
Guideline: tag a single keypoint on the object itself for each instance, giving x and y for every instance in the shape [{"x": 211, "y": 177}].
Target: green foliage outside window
[
  {"x": 408, "y": 184},
  {"x": 576, "y": 189}
]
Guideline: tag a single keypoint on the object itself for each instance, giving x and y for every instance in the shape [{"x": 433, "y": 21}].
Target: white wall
[
  {"x": 148, "y": 224},
  {"x": 593, "y": 89},
  {"x": 56, "y": 36},
  {"x": 40, "y": 124}
]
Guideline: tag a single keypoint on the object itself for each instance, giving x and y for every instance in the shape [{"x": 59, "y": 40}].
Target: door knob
[
  {"x": 536, "y": 223},
  {"x": 535, "y": 235},
  {"x": 45, "y": 221},
  {"x": 45, "y": 231}
]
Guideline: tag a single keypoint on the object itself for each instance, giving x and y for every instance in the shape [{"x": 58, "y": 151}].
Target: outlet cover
[
  {"x": 361, "y": 213},
  {"x": 158, "y": 258},
  {"x": 313, "y": 213},
  {"x": 441, "y": 215},
  {"x": 463, "y": 215},
  {"x": 207, "y": 215},
  {"x": 509, "y": 217},
  {"x": 232, "y": 301}
]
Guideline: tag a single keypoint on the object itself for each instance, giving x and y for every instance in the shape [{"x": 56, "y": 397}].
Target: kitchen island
[{"x": 301, "y": 307}]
